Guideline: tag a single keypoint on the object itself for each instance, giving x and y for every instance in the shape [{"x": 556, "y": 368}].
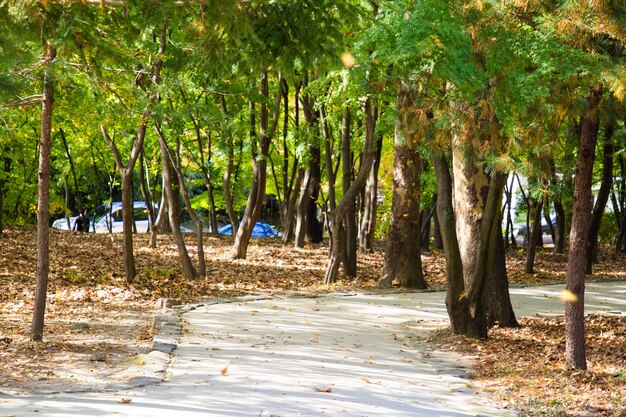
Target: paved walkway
[{"x": 358, "y": 355}]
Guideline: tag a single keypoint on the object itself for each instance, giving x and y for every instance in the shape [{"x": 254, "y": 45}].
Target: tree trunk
[
  {"x": 534, "y": 235},
  {"x": 370, "y": 204},
  {"x": 349, "y": 260},
  {"x": 148, "y": 197},
  {"x": 403, "y": 260},
  {"x": 43, "y": 211},
  {"x": 3, "y": 187},
  {"x": 228, "y": 197},
  {"x": 577, "y": 257},
  {"x": 338, "y": 213},
  {"x": 457, "y": 303},
  {"x": 256, "y": 197},
  {"x": 172, "y": 191},
  {"x": 477, "y": 200},
  {"x": 559, "y": 229},
  {"x": 603, "y": 195},
  {"x": 175, "y": 161},
  {"x": 499, "y": 309},
  {"x": 307, "y": 223}
]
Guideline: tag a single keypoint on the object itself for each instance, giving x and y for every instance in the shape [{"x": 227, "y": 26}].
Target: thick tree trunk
[
  {"x": 499, "y": 309},
  {"x": 534, "y": 235},
  {"x": 477, "y": 200},
  {"x": 172, "y": 191},
  {"x": 370, "y": 204},
  {"x": 403, "y": 259},
  {"x": 603, "y": 195},
  {"x": 577, "y": 257},
  {"x": 307, "y": 223},
  {"x": 456, "y": 298},
  {"x": 43, "y": 202}
]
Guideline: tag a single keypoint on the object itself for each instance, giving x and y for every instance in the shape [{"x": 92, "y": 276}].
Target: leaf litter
[{"x": 97, "y": 324}]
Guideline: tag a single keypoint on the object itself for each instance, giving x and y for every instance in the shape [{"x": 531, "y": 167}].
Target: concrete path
[{"x": 358, "y": 355}]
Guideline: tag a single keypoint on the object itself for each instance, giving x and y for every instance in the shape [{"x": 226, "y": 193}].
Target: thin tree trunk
[
  {"x": 534, "y": 235},
  {"x": 337, "y": 214},
  {"x": 603, "y": 195},
  {"x": 368, "y": 222},
  {"x": 176, "y": 164},
  {"x": 3, "y": 188},
  {"x": 228, "y": 197},
  {"x": 43, "y": 212},
  {"x": 172, "y": 186},
  {"x": 256, "y": 197},
  {"x": 349, "y": 260},
  {"x": 577, "y": 257}
]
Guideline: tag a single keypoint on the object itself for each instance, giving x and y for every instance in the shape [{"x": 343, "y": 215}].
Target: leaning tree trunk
[
  {"x": 256, "y": 197},
  {"x": 338, "y": 213},
  {"x": 577, "y": 257},
  {"x": 403, "y": 258},
  {"x": 176, "y": 164},
  {"x": 43, "y": 202},
  {"x": 603, "y": 195},
  {"x": 172, "y": 191}
]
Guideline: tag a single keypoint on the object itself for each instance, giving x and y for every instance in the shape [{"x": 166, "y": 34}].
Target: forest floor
[{"x": 97, "y": 324}]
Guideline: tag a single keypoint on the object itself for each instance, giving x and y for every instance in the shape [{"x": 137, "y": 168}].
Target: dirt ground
[{"x": 97, "y": 324}]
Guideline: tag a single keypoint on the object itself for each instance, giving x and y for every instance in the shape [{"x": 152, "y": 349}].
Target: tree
[
  {"x": 43, "y": 213},
  {"x": 403, "y": 254}
]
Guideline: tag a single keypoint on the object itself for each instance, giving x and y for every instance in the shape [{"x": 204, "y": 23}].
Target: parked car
[
  {"x": 110, "y": 221},
  {"x": 545, "y": 228},
  {"x": 261, "y": 230}
]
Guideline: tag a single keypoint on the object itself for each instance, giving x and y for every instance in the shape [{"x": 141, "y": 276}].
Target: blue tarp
[{"x": 260, "y": 230}]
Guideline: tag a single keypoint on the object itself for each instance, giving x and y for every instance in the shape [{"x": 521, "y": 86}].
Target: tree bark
[
  {"x": 403, "y": 258},
  {"x": 307, "y": 224},
  {"x": 603, "y": 195},
  {"x": 228, "y": 197},
  {"x": 577, "y": 257},
  {"x": 457, "y": 303},
  {"x": 534, "y": 235},
  {"x": 43, "y": 203},
  {"x": 499, "y": 308},
  {"x": 337, "y": 214},
  {"x": 172, "y": 191},
  {"x": 176, "y": 165},
  {"x": 349, "y": 259},
  {"x": 370, "y": 204},
  {"x": 256, "y": 197}
]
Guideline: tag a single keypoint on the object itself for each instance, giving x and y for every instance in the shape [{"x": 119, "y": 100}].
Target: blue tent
[{"x": 260, "y": 230}]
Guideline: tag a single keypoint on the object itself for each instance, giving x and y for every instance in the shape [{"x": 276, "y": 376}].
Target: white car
[{"x": 111, "y": 221}]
